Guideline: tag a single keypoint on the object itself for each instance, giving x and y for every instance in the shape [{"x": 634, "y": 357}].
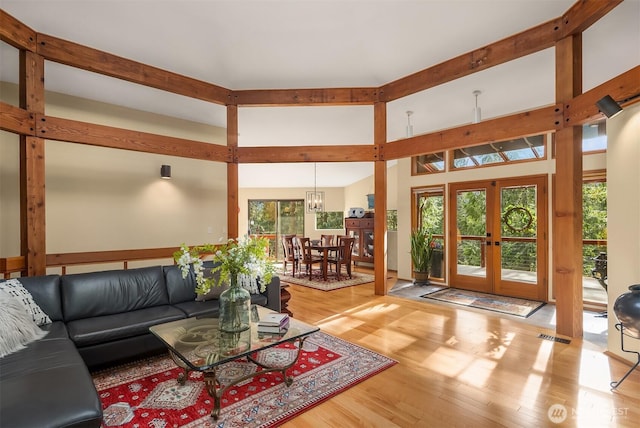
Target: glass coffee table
[{"x": 196, "y": 344}]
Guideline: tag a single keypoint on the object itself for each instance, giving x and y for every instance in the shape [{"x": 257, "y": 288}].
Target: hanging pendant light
[
  {"x": 409, "y": 126},
  {"x": 477, "y": 114},
  {"x": 315, "y": 199}
]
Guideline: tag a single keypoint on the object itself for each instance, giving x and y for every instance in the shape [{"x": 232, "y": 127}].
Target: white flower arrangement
[{"x": 240, "y": 261}]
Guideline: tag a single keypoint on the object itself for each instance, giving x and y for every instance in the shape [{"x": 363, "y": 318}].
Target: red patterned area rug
[
  {"x": 332, "y": 283},
  {"x": 146, "y": 393}
]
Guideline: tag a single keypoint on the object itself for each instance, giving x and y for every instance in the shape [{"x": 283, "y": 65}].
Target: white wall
[
  {"x": 107, "y": 199},
  {"x": 623, "y": 211}
]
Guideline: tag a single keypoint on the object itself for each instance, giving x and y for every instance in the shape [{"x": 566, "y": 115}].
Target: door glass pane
[
  {"x": 471, "y": 219},
  {"x": 519, "y": 228},
  {"x": 431, "y": 209}
]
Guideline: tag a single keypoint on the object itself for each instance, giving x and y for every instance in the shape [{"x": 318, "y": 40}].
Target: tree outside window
[{"x": 329, "y": 220}]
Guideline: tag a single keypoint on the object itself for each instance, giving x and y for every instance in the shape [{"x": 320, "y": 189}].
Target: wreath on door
[{"x": 517, "y": 219}]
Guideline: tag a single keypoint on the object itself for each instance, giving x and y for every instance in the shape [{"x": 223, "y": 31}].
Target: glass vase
[{"x": 235, "y": 307}]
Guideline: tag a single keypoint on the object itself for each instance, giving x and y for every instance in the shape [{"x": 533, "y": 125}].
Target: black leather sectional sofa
[{"x": 98, "y": 319}]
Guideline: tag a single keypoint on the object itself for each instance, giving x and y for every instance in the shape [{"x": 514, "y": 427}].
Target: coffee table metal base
[{"x": 216, "y": 390}]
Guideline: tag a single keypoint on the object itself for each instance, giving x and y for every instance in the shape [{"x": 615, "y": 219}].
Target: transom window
[
  {"x": 429, "y": 163},
  {"x": 518, "y": 149}
]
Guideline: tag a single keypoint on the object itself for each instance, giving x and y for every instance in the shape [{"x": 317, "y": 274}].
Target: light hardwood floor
[{"x": 461, "y": 368}]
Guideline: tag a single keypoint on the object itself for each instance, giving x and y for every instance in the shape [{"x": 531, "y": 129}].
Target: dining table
[{"x": 324, "y": 249}]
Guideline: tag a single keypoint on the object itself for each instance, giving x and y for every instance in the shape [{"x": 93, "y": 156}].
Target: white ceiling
[{"x": 268, "y": 44}]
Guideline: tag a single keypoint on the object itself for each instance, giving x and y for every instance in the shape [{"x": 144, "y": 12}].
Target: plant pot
[
  {"x": 235, "y": 308},
  {"x": 421, "y": 278}
]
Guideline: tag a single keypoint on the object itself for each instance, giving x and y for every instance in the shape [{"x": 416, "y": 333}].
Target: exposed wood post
[
  {"x": 380, "y": 204},
  {"x": 32, "y": 169},
  {"x": 233, "y": 207},
  {"x": 567, "y": 216}
]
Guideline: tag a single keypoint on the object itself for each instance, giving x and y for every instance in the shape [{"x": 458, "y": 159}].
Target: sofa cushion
[
  {"x": 214, "y": 292},
  {"x": 192, "y": 308},
  {"x": 88, "y": 295},
  {"x": 211, "y": 308},
  {"x": 46, "y": 293},
  {"x": 55, "y": 330},
  {"x": 179, "y": 289},
  {"x": 107, "y": 328},
  {"x": 48, "y": 385}
]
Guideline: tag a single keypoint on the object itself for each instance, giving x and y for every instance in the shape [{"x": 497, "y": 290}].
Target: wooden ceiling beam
[
  {"x": 533, "y": 122},
  {"x": 582, "y": 109},
  {"x": 305, "y": 97},
  {"x": 17, "y": 120},
  {"x": 85, "y": 58},
  {"x": 16, "y": 33},
  {"x": 54, "y": 128},
  {"x": 527, "y": 42},
  {"x": 279, "y": 154},
  {"x": 585, "y": 13}
]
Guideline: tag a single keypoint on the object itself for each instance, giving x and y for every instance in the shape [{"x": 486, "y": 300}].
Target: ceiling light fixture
[
  {"x": 409, "y": 126},
  {"x": 477, "y": 114},
  {"x": 609, "y": 106},
  {"x": 315, "y": 199},
  {"x": 165, "y": 172}
]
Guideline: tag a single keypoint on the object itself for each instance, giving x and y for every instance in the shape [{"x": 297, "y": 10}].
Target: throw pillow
[
  {"x": 17, "y": 328},
  {"x": 15, "y": 290},
  {"x": 249, "y": 283}
]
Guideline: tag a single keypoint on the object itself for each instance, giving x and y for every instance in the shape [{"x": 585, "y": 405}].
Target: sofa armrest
[{"x": 273, "y": 294}]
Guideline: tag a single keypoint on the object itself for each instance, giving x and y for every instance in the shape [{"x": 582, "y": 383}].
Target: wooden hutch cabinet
[{"x": 362, "y": 230}]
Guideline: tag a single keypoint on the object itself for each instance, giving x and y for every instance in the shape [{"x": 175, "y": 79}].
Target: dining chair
[
  {"x": 307, "y": 258},
  {"x": 343, "y": 256},
  {"x": 290, "y": 254},
  {"x": 327, "y": 239}
]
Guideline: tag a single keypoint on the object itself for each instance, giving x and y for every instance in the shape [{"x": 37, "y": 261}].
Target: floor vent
[{"x": 554, "y": 339}]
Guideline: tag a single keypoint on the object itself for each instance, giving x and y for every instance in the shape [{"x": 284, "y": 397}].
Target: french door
[{"x": 499, "y": 236}]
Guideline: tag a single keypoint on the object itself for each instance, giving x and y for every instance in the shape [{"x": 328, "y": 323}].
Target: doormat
[
  {"x": 146, "y": 393},
  {"x": 332, "y": 283},
  {"x": 507, "y": 305}
]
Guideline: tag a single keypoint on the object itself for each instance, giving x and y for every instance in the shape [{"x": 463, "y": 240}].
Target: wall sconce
[
  {"x": 165, "y": 172},
  {"x": 609, "y": 106}
]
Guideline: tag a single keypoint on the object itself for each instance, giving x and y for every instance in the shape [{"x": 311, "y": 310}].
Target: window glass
[
  {"x": 594, "y": 239},
  {"x": 428, "y": 164},
  {"x": 430, "y": 212},
  {"x": 519, "y": 149},
  {"x": 594, "y": 137},
  {"x": 392, "y": 220},
  {"x": 271, "y": 219}
]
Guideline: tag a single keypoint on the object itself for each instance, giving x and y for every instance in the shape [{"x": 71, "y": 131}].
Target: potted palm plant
[{"x": 422, "y": 245}]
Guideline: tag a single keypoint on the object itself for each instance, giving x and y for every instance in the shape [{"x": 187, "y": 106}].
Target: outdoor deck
[{"x": 592, "y": 290}]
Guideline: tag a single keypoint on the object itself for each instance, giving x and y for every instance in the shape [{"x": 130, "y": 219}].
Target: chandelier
[{"x": 315, "y": 199}]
